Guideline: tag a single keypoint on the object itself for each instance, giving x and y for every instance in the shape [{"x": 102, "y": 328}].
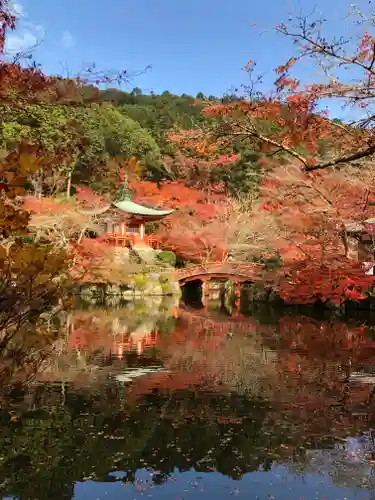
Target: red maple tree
[
  {"x": 312, "y": 210},
  {"x": 194, "y": 230}
]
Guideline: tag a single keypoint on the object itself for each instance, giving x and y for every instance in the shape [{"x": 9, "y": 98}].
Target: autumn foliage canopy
[{"x": 297, "y": 207}]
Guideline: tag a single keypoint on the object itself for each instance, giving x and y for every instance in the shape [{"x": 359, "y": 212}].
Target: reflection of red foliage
[
  {"x": 176, "y": 381},
  {"x": 326, "y": 340},
  {"x": 87, "y": 332},
  {"x": 199, "y": 333},
  {"x": 312, "y": 359},
  {"x": 166, "y": 383},
  {"x": 313, "y": 373},
  {"x": 192, "y": 376}
]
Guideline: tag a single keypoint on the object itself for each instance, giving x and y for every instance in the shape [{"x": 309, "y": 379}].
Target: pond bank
[
  {"x": 139, "y": 285},
  {"x": 157, "y": 283},
  {"x": 250, "y": 295}
]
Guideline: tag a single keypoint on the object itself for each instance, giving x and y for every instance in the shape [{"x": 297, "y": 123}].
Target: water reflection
[{"x": 151, "y": 400}]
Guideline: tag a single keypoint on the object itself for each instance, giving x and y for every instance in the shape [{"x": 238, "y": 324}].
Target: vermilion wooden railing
[
  {"x": 119, "y": 240},
  {"x": 153, "y": 241},
  {"x": 124, "y": 241}
]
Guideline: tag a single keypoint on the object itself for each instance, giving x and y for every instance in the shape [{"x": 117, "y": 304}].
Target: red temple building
[{"x": 123, "y": 223}]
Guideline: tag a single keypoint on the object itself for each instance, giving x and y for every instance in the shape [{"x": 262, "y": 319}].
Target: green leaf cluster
[{"x": 95, "y": 133}]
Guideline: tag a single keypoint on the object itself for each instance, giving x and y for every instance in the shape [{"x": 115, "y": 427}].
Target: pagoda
[{"x": 123, "y": 222}]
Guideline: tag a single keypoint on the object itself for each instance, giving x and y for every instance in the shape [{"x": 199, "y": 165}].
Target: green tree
[
  {"x": 136, "y": 91},
  {"x": 53, "y": 128},
  {"x": 92, "y": 135},
  {"x": 109, "y": 133}
]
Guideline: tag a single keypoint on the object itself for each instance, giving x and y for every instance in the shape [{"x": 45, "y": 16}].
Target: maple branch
[
  {"x": 365, "y": 204},
  {"x": 253, "y": 132},
  {"x": 276, "y": 152},
  {"x": 358, "y": 155},
  {"x": 373, "y": 59},
  {"x": 320, "y": 45}
]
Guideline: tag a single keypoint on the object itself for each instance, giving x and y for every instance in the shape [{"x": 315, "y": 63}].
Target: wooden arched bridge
[{"x": 234, "y": 271}]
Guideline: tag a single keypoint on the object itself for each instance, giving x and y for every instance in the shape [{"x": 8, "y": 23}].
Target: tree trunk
[{"x": 69, "y": 185}]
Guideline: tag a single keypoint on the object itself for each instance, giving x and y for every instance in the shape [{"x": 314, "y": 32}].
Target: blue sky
[{"x": 200, "y": 45}]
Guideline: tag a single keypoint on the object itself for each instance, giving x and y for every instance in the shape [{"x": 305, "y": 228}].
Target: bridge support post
[
  {"x": 237, "y": 291},
  {"x": 205, "y": 293}
]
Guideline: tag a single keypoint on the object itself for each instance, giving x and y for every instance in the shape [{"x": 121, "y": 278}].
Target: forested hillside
[
  {"x": 163, "y": 114},
  {"x": 103, "y": 135},
  {"x": 120, "y": 125}
]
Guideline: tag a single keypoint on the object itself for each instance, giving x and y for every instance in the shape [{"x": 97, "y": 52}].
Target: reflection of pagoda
[
  {"x": 115, "y": 340},
  {"x": 147, "y": 341},
  {"x": 123, "y": 222}
]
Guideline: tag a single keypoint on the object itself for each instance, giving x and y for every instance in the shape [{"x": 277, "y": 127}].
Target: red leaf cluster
[
  {"x": 89, "y": 255},
  {"x": 87, "y": 198},
  {"x": 204, "y": 205},
  {"x": 295, "y": 118},
  {"x": 311, "y": 281},
  {"x": 44, "y": 205},
  {"x": 366, "y": 48}
]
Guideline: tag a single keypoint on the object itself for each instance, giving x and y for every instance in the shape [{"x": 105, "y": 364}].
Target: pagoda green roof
[{"x": 130, "y": 207}]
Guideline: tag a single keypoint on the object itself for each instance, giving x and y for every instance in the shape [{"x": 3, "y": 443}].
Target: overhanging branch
[{"x": 353, "y": 156}]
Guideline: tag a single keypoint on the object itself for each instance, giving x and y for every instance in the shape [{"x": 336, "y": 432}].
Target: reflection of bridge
[
  {"x": 222, "y": 325},
  {"x": 236, "y": 271}
]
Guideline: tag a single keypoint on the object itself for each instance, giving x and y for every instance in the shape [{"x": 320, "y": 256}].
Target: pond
[{"x": 165, "y": 401}]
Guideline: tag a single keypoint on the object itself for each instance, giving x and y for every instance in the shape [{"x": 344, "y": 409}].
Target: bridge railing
[{"x": 232, "y": 268}]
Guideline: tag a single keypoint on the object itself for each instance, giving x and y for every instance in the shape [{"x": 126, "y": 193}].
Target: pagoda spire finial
[{"x": 123, "y": 193}]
